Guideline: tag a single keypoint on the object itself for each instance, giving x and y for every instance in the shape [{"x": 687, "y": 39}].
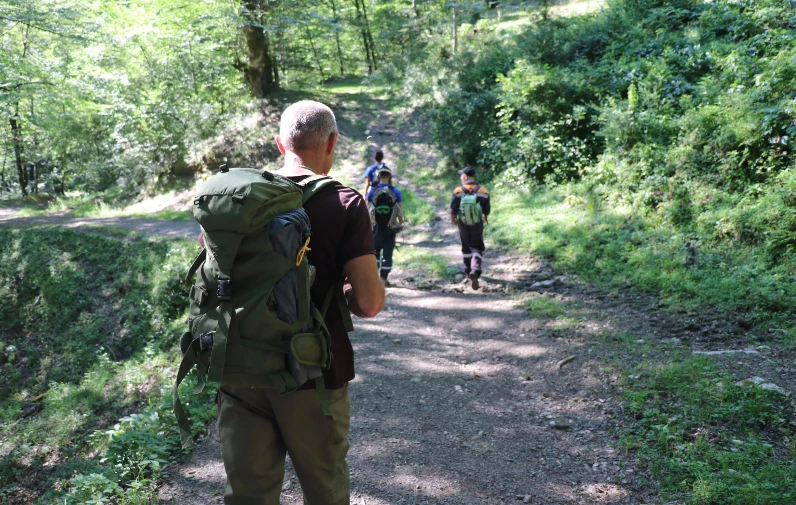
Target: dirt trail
[
  {"x": 459, "y": 396},
  {"x": 146, "y": 226}
]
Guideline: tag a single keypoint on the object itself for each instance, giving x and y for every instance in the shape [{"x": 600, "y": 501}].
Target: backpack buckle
[
  {"x": 224, "y": 289},
  {"x": 206, "y": 341}
]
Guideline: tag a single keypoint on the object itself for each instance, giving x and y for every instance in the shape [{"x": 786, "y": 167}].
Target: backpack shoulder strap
[{"x": 311, "y": 185}]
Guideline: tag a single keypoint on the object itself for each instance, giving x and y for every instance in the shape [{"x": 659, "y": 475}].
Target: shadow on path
[{"x": 458, "y": 400}]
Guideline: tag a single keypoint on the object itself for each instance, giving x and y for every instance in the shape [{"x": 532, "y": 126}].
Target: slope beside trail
[{"x": 459, "y": 397}]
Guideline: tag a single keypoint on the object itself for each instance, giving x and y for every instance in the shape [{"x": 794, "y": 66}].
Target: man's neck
[
  {"x": 469, "y": 181},
  {"x": 296, "y": 165}
]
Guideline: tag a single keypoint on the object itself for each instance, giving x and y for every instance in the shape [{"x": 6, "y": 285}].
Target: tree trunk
[
  {"x": 16, "y": 140},
  {"x": 455, "y": 32},
  {"x": 370, "y": 37},
  {"x": 360, "y": 23},
  {"x": 315, "y": 53},
  {"x": 3, "y": 175},
  {"x": 337, "y": 38},
  {"x": 259, "y": 73}
]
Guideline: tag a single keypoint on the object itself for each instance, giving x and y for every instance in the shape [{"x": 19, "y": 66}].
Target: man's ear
[
  {"x": 330, "y": 143},
  {"x": 279, "y": 144}
]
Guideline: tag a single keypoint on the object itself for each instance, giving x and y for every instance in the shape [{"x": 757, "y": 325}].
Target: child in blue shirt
[
  {"x": 372, "y": 172},
  {"x": 381, "y": 199}
]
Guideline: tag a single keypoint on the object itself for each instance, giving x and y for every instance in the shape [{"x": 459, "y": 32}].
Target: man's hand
[
  {"x": 366, "y": 296},
  {"x": 454, "y": 221}
]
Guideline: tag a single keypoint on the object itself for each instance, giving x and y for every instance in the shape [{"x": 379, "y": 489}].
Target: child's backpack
[
  {"x": 384, "y": 209},
  {"x": 252, "y": 322},
  {"x": 470, "y": 212},
  {"x": 374, "y": 174}
]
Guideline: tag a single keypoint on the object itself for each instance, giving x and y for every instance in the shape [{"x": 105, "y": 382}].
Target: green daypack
[
  {"x": 470, "y": 212},
  {"x": 252, "y": 322}
]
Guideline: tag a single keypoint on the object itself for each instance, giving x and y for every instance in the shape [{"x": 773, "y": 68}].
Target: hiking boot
[
  {"x": 474, "y": 279},
  {"x": 384, "y": 280}
]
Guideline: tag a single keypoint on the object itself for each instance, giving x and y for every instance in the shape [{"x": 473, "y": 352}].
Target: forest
[{"x": 642, "y": 147}]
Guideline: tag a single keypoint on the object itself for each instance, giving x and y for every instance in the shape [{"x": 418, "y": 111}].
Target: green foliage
[
  {"x": 112, "y": 93},
  {"x": 622, "y": 245},
  {"x": 87, "y": 338},
  {"x": 676, "y": 116},
  {"x": 417, "y": 210},
  {"x": 707, "y": 437},
  {"x": 636, "y": 93},
  {"x": 422, "y": 263},
  {"x": 544, "y": 307}
]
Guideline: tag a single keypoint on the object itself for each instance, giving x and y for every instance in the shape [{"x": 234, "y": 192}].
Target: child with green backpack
[
  {"x": 385, "y": 204},
  {"x": 469, "y": 211}
]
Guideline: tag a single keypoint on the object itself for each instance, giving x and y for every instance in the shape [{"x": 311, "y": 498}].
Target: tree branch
[
  {"x": 33, "y": 24},
  {"x": 11, "y": 87}
]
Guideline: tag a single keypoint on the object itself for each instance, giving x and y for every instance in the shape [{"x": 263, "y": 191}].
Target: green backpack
[
  {"x": 252, "y": 323},
  {"x": 470, "y": 212}
]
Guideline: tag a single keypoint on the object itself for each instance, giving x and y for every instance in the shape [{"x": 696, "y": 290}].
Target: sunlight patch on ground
[
  {"x": 602, "y": 492},
  {"x": 424, "y": 485},
  {"x": 578, "y": 8}
]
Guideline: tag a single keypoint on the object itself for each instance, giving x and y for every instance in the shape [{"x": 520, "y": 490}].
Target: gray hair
[{"x": 306, "y": 125}]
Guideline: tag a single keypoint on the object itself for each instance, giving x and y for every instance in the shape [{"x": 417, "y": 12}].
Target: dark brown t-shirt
[{"x": 340, "y": 232}]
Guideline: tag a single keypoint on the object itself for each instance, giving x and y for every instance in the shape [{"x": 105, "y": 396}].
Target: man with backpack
[
  {"x": 469, "y": 211},
  {"x": 372, "y": 172},
  {"x": 272, "y": 333},
  {"x": 386, "y": 209}
]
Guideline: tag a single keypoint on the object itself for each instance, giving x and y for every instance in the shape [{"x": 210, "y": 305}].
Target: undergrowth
[
  {"x": 620, "y": 245},
  {"x": 708, "y": 438},
  {"x": 87, "y": 356}
]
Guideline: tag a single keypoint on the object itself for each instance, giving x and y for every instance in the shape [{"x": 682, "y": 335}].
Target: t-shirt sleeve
[
  {"x": 455, "y": 201},
  {"x": 485, "y": 205},
  {"x": 398, "y": 197},
  {"x": 357, "y": 237},
  {"x": 370, "y": 194}
]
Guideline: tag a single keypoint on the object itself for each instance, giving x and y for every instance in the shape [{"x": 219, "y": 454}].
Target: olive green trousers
[{"x": 257, "y": 427}]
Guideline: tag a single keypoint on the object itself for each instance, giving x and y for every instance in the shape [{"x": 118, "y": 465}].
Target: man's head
[
  {"x": 308, "y": 129},
  {"x": 378, "y": 156},
  {"x": 467, "y": 173},
  {"x": 385, "y": 174}
]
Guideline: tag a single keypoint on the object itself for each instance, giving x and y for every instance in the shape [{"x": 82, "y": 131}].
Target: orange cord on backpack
[{"x": 303, "y": 251}]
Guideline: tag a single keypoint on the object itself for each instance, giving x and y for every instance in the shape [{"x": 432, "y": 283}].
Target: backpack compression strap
[{"x": 223, "y": 247}]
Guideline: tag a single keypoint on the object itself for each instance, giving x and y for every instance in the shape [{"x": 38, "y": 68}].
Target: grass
[
  {"x": 572, "y": 227},
  {"x": 417, "y": 210},
  {"x": 90, "y": 327},
  {"x": 704, "y": 437},
  {"x": 416, "y": 261},
  {"x": 545, "y": 307},
  {"x": 707, "y": 438}
]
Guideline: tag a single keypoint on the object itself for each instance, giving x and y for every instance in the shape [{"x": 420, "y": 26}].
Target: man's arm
[
  {"x": 367, "y": 186},
  {"x": 486, "y": 205},
  {"x": 366, "y": 297},
  {"x": 455, "y": 201}
]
